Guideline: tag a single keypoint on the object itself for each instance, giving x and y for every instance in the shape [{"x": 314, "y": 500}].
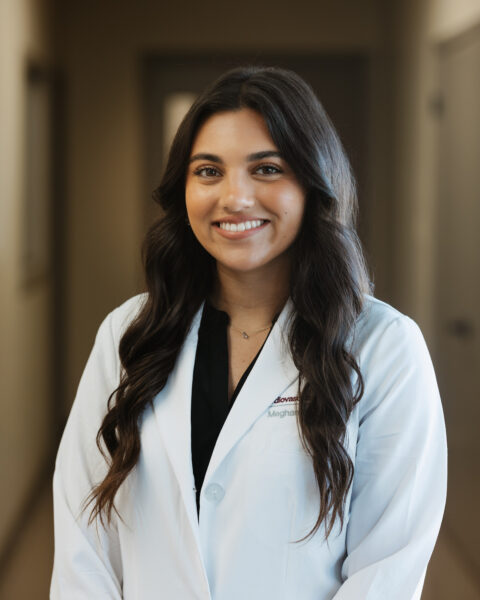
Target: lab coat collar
[
  {"x": 172, "y": 412},
  {"x": 273, "y": 372}
]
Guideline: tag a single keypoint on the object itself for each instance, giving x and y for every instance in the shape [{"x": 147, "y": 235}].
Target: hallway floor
[{"x": 28, "y": 575}]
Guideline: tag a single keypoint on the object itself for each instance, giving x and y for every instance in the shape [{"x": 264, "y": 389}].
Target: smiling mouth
[{"x": 243, "y": 226}]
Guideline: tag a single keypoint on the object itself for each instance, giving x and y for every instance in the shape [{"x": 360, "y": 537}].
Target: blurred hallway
[
  {"x": 90, "y": 93},
  {"x": 30, "y": 565}
]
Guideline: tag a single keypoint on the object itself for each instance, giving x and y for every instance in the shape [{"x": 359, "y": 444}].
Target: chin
[{"x": 244, "y": 266}]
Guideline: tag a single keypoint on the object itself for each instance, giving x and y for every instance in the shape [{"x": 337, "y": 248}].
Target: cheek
[
  {"x": 199, "y": 212},
  {"x": 190, "y": 198},
  {"x": 287, "y": 200},
  {"x": 196, "y": 203},
  {"x": 291, "y": 212}
]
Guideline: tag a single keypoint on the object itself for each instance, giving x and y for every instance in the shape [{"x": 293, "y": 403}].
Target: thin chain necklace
[{"x": 247, "y": 336}]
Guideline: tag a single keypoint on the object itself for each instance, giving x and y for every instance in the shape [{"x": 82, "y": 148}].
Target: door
[{"x": 458, "y": 286}]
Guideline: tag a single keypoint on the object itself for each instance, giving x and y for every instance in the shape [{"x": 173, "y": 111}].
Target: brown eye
[
  {"x": 207, "y": 172},
  {"x": 268, "y": 170}
]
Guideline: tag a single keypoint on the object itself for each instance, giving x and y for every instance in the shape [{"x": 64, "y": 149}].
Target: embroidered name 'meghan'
[{"x": 282, "y": 413}]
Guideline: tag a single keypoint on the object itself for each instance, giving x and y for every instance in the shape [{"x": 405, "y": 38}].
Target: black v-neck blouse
[{"x": 210, "y": 404}]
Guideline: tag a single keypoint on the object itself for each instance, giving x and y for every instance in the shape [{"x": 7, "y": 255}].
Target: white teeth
[{"x": 245, "y": 225}]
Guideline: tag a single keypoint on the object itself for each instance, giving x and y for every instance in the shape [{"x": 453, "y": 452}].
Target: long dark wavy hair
[{"x": 327, "y": 284}]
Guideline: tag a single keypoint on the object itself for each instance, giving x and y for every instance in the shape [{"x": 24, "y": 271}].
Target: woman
[{"x": 272, "y": 430}]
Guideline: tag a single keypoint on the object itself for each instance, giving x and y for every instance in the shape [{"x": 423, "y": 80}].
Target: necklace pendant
[{"x": 245, "y": 335}]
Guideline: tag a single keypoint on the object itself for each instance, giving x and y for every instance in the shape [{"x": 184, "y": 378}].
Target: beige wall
[
  {"x": 420, "y": 27},
  {"x": 101, "y": 45},
  {"x": 25, "y": 426},
  {"x": 448, "y": 18}
]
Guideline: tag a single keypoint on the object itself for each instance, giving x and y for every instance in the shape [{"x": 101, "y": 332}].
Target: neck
[{"x": 251, "y": 299}]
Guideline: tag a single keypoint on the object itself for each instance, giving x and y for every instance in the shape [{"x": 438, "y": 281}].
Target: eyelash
[
  {"x": 201, "y": 169},
  {"x": 276, "y": 170}
]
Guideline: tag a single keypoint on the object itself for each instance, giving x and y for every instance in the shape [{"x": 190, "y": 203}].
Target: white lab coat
[{"x": 259, "y": 494}]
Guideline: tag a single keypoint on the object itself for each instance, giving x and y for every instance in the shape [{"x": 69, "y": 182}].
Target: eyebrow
[{"x": 250, "y": 157}]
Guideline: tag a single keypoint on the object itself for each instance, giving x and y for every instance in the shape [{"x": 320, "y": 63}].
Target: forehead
[{"x": 241, "y": 129}]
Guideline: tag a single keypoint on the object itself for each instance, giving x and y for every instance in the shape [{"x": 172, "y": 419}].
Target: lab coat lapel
[
  {"x": 273, "y": 372},
  {"x": 173, "y": 416}
]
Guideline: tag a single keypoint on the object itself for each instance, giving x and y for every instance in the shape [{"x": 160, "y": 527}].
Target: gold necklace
[{"x": 247, "y": 336}]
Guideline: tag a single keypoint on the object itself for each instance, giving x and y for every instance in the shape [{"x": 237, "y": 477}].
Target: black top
[{"x": 210, "y": 405}]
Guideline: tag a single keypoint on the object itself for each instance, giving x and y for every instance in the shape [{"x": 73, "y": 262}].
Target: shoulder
[
  {"x": 101, "y": 374},
  {"x": 129, "y": 309},
  {"x": 376, "y": 314},
  {"x": 379, "y": 322},
  {"x": 118, "y": 320},
  {"x": 387, "y": 342},
  {"x": 393, "y": 358},
  {"x": 99, "y": 379}
]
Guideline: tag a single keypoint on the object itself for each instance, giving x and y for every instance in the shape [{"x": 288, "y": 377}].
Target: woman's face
[{"x": 244, "y": 203}]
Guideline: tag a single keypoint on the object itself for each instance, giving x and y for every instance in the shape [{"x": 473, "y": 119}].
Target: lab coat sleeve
[
  {"x": 87, "y": 561},
  {"x": 399, "y": 487}
]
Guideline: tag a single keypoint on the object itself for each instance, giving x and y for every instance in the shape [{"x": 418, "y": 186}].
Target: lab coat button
[{"x": 214, "y": 492}]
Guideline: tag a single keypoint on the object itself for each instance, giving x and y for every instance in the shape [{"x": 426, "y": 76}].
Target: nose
[{"x": 238, "y": 194}]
